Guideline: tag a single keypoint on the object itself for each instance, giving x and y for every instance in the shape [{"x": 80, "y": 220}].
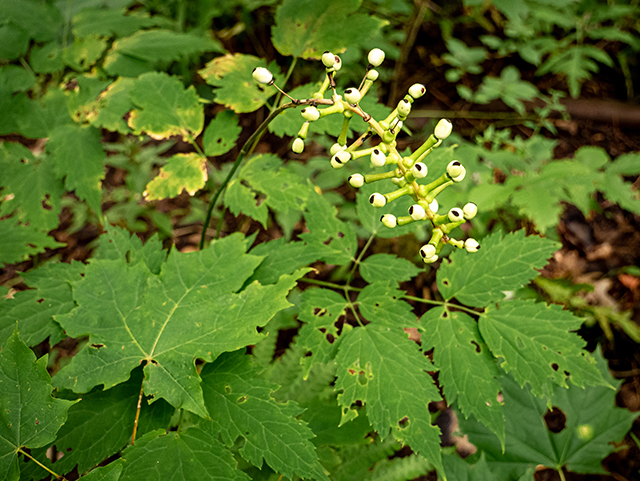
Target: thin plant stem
[
  {"x": 561, "y": 474},
  {"x": 356, "y": 262},
  {"x": 57, "y": 476},
  {"x": 135, "y": 422},
  {"x": 330, "y": 285}
]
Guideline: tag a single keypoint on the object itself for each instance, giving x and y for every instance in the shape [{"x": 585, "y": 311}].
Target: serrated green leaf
[
  {"x": 182, "y": 172},
  {"x": 34, "y": 310},
  {"x": 78, "y": 156},
  {"x": 18, "y": 242},
  {"x": 41, "y": 21},
  {"x": 241, "y": 406},
  {"x": 319, "y": 336},
  {"x": 112, "y": 105},
  {"x": 467, "y": 369},
  {"x": 28, "y": 183},
  {"x": 381, "y": 367},
  {"x": 380, "y": 303},
  {"x": 190, "y": 455},
  {"x": 191, "y": 310},
  {"x": 323, "y": 419},
  {"x": 47, "y": 58},
  {"x": 118, "y": 243},
  {"x": 165, "y": 107},
  {"x": 460, "y": 470},
  {"x": 221, "y": 134},
  {"x": 305, "y": 28},
  {"x": 502, "y": 264},
  {"x": 387, "y": 268},
  {"x": 101, "y": 424},
  {"x": 84, "y": 52},
  {"x": 109, "y": 22},
  {"x": 30, "y": 416},
  {"x": 535, "y": 342},
  {"x": 592, "y": 424},
  {"x": 242, "y": 200},
  {"x": 134, "y": 55},
  {"x": 110, "y": 472},
  {"x": 282, "y": 257},
  {"x": 620, "y": 192},
  {"x": 237, "y": 89},
  {"x": 14, "y": 42},
  {"x": 626, "y": 164}
]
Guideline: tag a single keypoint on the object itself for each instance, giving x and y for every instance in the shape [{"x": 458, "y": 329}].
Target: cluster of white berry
[{"x": 406, "y": 171}]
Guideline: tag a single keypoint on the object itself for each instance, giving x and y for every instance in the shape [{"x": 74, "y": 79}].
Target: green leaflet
[
  {"x": 190, "y": 310},
  {"x": 30, "y": 416},
  {"x": 237, "y": 90},
  {"x": 387, "y": 267},
  {"x": 110, "y": 472},
  {"x": 305, "y": 28},
  {"x": 111, "y": 22},
  {"x": 78, "y": 156},
  {"x": 537, "y": 343},
  {"x": 35, "y": 310},
  {"x": 381, "y": 367},
  {"x": 240, "y": 404},
  {"x": 502, "y": 264},
  {"x": 182, "y": 172},
  {"x": 221, "y": 134},
  {"x": 164, "y": 107},
  {"x": 109, "y": 108},
  {"x": 468, "y": 372},
  {"x": 592, "y": 424},
  {"x": 188, "y": 455},
  {"x": 18, "y": 242},
  {"x": 118, "y": 243}
]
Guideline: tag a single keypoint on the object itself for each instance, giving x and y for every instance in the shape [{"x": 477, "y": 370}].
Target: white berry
[
  {"x": 356, "y": 180},
  {"x": 328, "y": 59},
  {"x": 376, "y": 57},
  {"x": 378, "y": 200},
  {"x": 454, "y": 168},
  {"x": 460, "y": 176},
  {"x": 416, "y": 211},
  {"x": 372, "y": 75},
  {"x": 262, "y": 75},
  {"x": 427, "y": 251},
  {"x": 404, "y": 108},
  {"x": 378, "y": 159},
  {"x": 471, "y": 245},
  {"x": 419, "y": 170},
  {"x": 470, "y": 210},
  {"x": 335, "y": 148},
  {"x": 443, "y": 129},
  {"x": 338, "y": 65},
  {"x": 298, "y": 145},
  {"x": 434, "y": 206},
  {"x": 310, "y": 113},
  {"x": 417, "y": 90},
  {"x": 455, "y": 214},
  {"x": 352, "y": 96},
  {"x": 389, "y": 220}
]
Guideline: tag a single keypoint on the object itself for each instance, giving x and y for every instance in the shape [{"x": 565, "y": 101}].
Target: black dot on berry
[
  {"x": 456, "y": 163},
  {"x": 410, "y": 210},
  {"x": 382, "y": 217},
  {"x": 418, "y": 167},
  {"x": 371, "y": 199}
]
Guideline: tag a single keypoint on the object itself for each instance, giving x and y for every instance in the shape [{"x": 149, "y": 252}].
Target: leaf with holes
[
  {"x": 18, "y": 241},
  {"x": 193, "y": 309},
  {"x": 221, "y": 134},
  {"x": 503, "y": 264},
  {"x": 536, "y": 343},
  {"x": 468, "y": 372},
  {"x": 182, "y": 172},
  {"x": 587, "y": 423},
  {"x": 30, "y": 416},
  {"x": 240, "y": 404}
]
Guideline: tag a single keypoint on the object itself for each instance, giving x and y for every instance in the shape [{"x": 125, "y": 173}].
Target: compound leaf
[
  {"x": 192, "y": 309},
  {"x": 467, "y": 369},
  {"x": 241, "y": 406},
  {"x": 503, "y": 264},
  {"x": 381, "y": 367},
  {"x": 181, "y": 172},
  {"x": 165, "y": 107},
  {"x": 78, "y": 156},
  {"x": 188, "y": 455},
  {"x": 592, "y": 424},
  {"x": 30, "y": 416},
  {"x": 306, "y": 28},
  {"x": 536, "y": 344}
]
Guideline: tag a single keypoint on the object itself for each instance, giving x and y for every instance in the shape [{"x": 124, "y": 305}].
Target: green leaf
[
  {"x": 306, "y": 28},
  {"x": 109, "y": 23},
  {"x": 191, "y": 310},
  {"x": 387, "y": 268},
  {"x": 165, "y": 107},
  {"x": 108, "y": 110},
  {"x": 460, "y": 470},
  {"x": 237, "y": 89},
  {"x": 84, "y": 52},
  {"x": 535, "y": 342},
  {"x": 182, "y": 172},
  {"x": 28, "y": 184},
  {"x": 137, "y": 54},
  {"x": 47, "y": 58},
  {"x": 241, "y": 406},
  {"x": 282, "y": 257},
  {"x": 592, "y": 424},
  {"x": 78, "y": 156},
  {"x": 191, "y": 454},
  {"x": 380, "y": 302},
  {"x": 502, "y": 264},
  {"x": 381, "y": 367},
  {"x": 118, "y": 243},
  {"x": 41, "y": 21},
  {"x": 110, "y": 472},
  {"x": 30, "y": 416},
  {"x": 101, "y": 424},
  {"x": 221, "y": 134},
  {"x": 320, "y": 335},
  {"x": 34, "y": 310},
  {"x": 18, "y": 242},
  {"x": 626, "y": 164},
  {"x": 467, "y": 369}
]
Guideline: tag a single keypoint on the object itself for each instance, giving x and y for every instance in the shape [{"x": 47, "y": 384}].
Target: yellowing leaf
[{"x": 183, "y": 171}]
